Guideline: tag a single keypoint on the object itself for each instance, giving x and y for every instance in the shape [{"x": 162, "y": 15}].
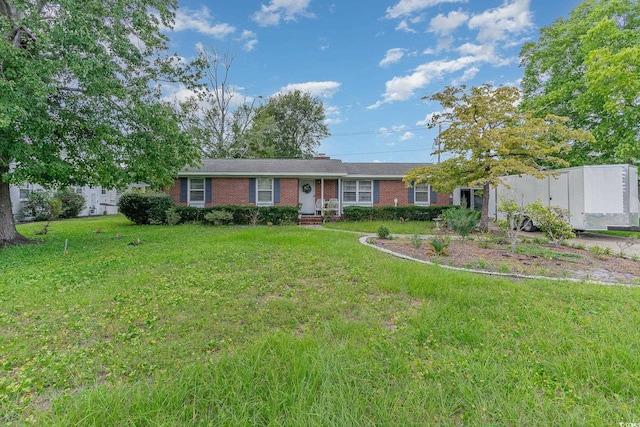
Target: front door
[{"x": 307, "y": 196}]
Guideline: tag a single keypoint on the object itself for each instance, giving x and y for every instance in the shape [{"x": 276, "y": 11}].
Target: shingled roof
[{"x": 324, "y": 167}]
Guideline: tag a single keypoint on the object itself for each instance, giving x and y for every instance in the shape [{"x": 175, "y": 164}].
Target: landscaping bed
[{"x": 535, "y": 259}]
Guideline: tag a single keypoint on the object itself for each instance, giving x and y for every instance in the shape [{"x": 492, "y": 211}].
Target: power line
[
  {"x": 379, "y": 132},
  {"x": 376, "y": 152}
]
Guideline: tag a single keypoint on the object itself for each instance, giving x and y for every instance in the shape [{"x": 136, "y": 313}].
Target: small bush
[
  {"x": 173, "y": 217},
  {"x": 463, "y": 221},
  {"x": 72, "y": 203},
  {"x": 384, "y": 232},
  {"x": 440, "y": 244},
  {"x": 553, "y": 221},
  {"x": 218, "y": 217},
  {"x": 38, "y": 205},
  {"x": 416, "y": 241},
  {"x": 145, "y": 208}
]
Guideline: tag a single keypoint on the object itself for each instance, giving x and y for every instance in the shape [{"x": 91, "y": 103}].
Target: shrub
[
  {"x": 384, "y": 232},
  {"x": 145, "y": 208},
  {"x": 243, "y": 214},
  {"x": 553, "y": 221},
  {"x": 38, "y": 205},
  {"x": 221, "y": 217},
  {"x": 173, "y": 217},
  {"x": 407, "y": 213},
  {"x": 416, "y": 241},
  {"x": 440, "y": 244},
  {"x": 72, "y": 203},
  {"x": 463, "y": 221}
]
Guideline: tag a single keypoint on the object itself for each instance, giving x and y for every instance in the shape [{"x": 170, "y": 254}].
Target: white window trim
[
  {"x": 357, "y": 202},
  {"x": 415, "y": 196},
  {"x": 197, "y": 203},
  {"x": 258, "y": 190}
]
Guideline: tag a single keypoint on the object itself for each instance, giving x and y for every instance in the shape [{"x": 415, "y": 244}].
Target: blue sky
[{"x": 370, "y": 62}]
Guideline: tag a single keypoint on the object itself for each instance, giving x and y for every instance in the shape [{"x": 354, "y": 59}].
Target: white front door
[{"x": 307, "y": 196}]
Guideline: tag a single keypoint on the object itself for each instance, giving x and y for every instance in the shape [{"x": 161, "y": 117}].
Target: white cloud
[
  {"x": 332, "y": 114},
  {"x": 321, "y": 89},
  {"x": 403, "y": 88},
  {"x": 468, "y": 75},
  {"x": 499, "y": 23},
  {"x": 407, "y": 136},
  {"x": 198, "y": 20},
  {"x": 393, "y": 55},
  {"x": 277, "y": 10},
  {"x": 249, "y": 40},
  {"x": 409, "y": 7},
  {"x": 445, "y": 25},
  {"x": 427, "y": 119},
  {"x": 404, "y": 26}
]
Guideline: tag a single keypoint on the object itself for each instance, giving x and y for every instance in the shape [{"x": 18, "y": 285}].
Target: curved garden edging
[{"x": 364, "y": 241}]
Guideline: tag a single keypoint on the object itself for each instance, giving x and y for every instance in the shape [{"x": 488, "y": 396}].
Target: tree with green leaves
[
  {"x": 80, "y": 105},
  {"x": 487, "y": 137},
  {"x": 587, "y": 67},
  {"x": 289, "y": 125}
]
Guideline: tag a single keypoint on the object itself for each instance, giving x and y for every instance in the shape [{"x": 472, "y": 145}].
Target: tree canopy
[
  {"x": 487, "y": 137},
  {"x": 587, "y": 67},
  {"x": 289, "y": 125},
  {"x": 80, "y": 105}
]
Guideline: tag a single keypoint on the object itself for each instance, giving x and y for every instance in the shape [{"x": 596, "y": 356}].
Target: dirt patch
[{"x": 533, "y": 259}]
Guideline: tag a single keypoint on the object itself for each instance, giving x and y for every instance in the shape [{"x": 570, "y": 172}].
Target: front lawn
[{"x": 200, "y": 325}]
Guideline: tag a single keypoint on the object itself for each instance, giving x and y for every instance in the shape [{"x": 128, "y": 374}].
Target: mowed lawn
[{"x": 200, "y": 325}]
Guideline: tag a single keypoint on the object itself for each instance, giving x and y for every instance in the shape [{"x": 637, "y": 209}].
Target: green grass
[
  {"x": 619, "y": 233},
  {"x": 396, "y": 227},
  {"x": 201, "y": 325}
]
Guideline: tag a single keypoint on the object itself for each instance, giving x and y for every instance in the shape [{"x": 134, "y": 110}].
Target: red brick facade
[{"x": 235, "y": 191}]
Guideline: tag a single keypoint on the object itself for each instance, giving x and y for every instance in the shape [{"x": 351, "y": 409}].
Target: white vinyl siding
[{"x": 357, "y": 193}]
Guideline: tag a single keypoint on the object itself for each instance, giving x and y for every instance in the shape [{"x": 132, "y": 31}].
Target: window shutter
[
  {"x": 208, "y": 190},
  {"x": 252, "y": 190},
  {"x": 411, "y": 194},
  {"x": 276, "y": 190},
  {"x": 376, "y": 191},
  {"x": 433, "y": 197},
  {"x": 184, "y": 190}
]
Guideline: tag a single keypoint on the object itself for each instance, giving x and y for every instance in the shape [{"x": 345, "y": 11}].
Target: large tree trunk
[
  {"x": 484, "y": 217},
  {"x": 8, "y": 233}
]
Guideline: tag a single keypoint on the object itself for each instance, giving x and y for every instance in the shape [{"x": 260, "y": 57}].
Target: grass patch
[
  {"x": 618, "y": 233},
  {"x": 396, "y": 227},
  {"x": 200, "y": 325}
]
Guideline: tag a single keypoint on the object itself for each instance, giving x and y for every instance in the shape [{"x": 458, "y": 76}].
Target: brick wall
[
  {"x": 288, "y": 192},
  {"x": 391, "y": 189},
  {"x": 174, "y": 192},
  {"x": 230, "y": 191},
  {"x": 330, "y": 187}
]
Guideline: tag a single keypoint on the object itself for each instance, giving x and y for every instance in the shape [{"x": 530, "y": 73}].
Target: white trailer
[{"x": 597, "y": 197}]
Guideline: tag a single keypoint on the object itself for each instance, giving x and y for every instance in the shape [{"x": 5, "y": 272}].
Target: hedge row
[
  {"x": 145, "y": 208},
  {"x": 385, "y": 213},
  {"x": 243, "y": 215}
]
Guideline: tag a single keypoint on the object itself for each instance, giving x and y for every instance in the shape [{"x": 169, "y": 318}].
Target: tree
[
  {"x": 488, "y": 138},
  {"x": 587, "y": 68},
  {"x": 290, "y": 125},
  {"x": 80, "y": 98},
  {"x": 217, "y": 117}
]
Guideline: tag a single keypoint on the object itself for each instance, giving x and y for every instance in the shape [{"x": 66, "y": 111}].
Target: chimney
[{"x": 321, "y": 156}]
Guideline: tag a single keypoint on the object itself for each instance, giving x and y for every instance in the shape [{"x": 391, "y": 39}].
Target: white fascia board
[{"x": 187, "y": 174}]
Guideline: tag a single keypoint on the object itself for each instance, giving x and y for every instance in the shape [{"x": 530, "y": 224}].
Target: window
[
  {"x": 421, "y": 193},
  {"x": 196, "y": 192},
  {"x": 78, "y": 190},
  {"x": 24, "y": 193},
  {"x": 265, "y": 191},
  {"x": 357, "y": 192},
  {"x": 103, "y": 191}
]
